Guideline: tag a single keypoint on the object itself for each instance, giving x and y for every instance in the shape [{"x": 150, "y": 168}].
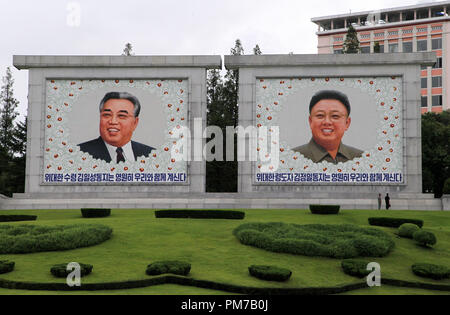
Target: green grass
[{"x": 215, "y": 254}]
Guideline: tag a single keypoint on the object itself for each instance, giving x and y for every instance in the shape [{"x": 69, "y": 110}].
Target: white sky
[{"x": 163, "y": 27}]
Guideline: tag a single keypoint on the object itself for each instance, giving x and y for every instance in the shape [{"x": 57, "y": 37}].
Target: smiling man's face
[
  {"x": 117, "y": 122},
  {"x": 328, "y": 121}
]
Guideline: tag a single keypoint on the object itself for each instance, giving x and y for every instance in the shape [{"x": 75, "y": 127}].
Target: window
[
  {"x": 424, "y": 101},
  {"x": 423, "y": 83},
  {"x": 422, "y": 29},
  {"x": 408, "y": 16},
  {"x": 438, "y": 64},
  {"x": 436, "y": 100},
  {"x": 422, "y": 45},
  {"x": 422, "y": 14},
  {"x": 378, "y": 35},
  {"x": 408, "y": 31},
  {"x": 437, "y": 12},
  {"x": 365, "y": 50},
  {"x": 338, "y": 24},
  {"x": 436, "y": 43},
  {"x": 393, "y": 33},
  {"x": 407, "y": 47},
  {"x": 393, "y": 48},
  {"x": 394, "y": 17},
  {"x": 436, "y": 28},
  {"x": 436, "y": 81},
  {"x": 422, "y": 67},
  {"x": 338, "y": 51}
]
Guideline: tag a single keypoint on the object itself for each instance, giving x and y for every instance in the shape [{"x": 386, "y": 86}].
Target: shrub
[
  {"x": 356, "y": 268},
  {"x": 436, "y": 272},
  {"x": 176, "y": 267},
  {"x": 6, "y": 266},
  {"x": 446, "y": 189},
  {"x": 336, "y": 241},
  {"x": 407, "y": 230},
  {"x": 424, "y": 238},
  {"x": 95, "y": 213},
  {"x": 271, "y": 273},
  {"x": 61, "y": 271},
  {"x": 200, "y": 214},
  {"x": 15, "y": 218},
  {"x": 22, "y": 239},
  {"x": 394, "y": 222},
  {"x": 324, "y": 209}
]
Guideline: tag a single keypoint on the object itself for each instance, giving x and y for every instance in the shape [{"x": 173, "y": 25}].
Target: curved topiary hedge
[
  {"x": 22, "y": 239},
  {"x": 60, "y": 270},
  {"x": 271, "y": 273},
  {"x": 95, "y": 213},
  {"x": 424, "y": 238},
  {"x": 356, "y": 268},
  {"x": 6, "y": 266},
  {"x": 200, "y": 214},
  {"x": 407, "y": 230},
  {"x": 436, "y": 272},
  {"x": 16, "y": 218},
  {"x": 174, "y": 266},
  {"x": 336, "y": 241},
  {"x": 324, "y": 209},
  {"x": 394, "y": 222}
]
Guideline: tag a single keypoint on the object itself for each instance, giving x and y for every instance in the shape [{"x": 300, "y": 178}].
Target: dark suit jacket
[{"x": 97, "y": 148}]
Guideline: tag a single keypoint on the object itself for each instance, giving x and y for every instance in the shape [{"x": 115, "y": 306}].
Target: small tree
[
  {"x": 257, "y": 50},
  {"x": 8, "y": 113},
  {"x": 351, "y": 43},
  {"x": 128, "y": 50},
  {"x": 376, "y": 47}
]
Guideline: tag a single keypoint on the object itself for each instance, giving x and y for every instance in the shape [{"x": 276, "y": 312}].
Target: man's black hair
[
  {"x": 122, "y": 96},
  {"x": 330, "y": 95}
]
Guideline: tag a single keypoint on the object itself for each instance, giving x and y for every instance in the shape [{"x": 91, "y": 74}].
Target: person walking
[
  {"x": 379, "y": 201},
  {"x": 387, "y": 199}
]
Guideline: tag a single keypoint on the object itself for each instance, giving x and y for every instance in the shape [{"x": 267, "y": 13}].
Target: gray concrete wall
[
  {"x": 41, "y": 68},
  {"x": 285, "y": 66}
]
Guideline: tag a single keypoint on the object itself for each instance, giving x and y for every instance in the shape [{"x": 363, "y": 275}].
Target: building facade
[{"x": 417, "y": 28}]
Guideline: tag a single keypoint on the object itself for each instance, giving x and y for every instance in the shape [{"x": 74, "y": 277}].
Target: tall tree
[
  {"x": 128, "y": 50},
  {"x": 351, "y": 43},
  {"x": 8, "y": 113}
]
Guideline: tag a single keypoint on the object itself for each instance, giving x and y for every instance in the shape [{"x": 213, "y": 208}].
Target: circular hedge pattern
[
  {"x": 271, "y": 273},
  {"x": 436, "y": 272},
  {"x": 61, "y": 271},
  {"x": 407, "y": 230},
  {"x": 6, "y": 266},
  {"x": 356, "y": 268},
  {"x": 424, "y": 238},
  {"x": 335, "y": 241},
  {"x": 23, "y": 239},
  {"x": 173, "y": 266}
]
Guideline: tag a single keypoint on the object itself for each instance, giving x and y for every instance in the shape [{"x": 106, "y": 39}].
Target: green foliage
[
  {"x": 435, "y": 151},
  {"x": 424, "y": 238},
  {"x": 356, "y": 268},
  {"x": 432, "y": 271},
  {"x": 22, "y": 239},
  {"x": 324, "y": 209},
  {"x": 6, "y": 266},
  {"x": 446, "y": 189},
  {"x": 60, "y": 270},
  {"x": 271, "y": 273},
  {"x": 95, "y": 213},
  {"x": 200, "y": 214},
  {"x": 175, "y": 267},
  {"x": 407, "y": 230},
  {"x": 351, "y": 43},
  {"x": 15, "y": 218},
  {"x": 376, "y": 47},
  {"x": 393, "y": 222},
  {"x": 336, "y": 241}
]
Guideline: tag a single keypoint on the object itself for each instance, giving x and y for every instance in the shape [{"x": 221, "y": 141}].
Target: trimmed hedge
[
  {"x": 356, "y": 268},
  {"x": 95, "y": 213},
  {"x": 6, "y": 266},
  {"x": 394, "y": 222},
  {"x": 201, "y": 214},
  {"x": 176, "y": 267},
  {"x": 16, "y": 218},
  {"x": 271, "y": 273},
  {"x": 435, "y": 272},
  {"x": 60, "y": 270},
  {"x": 407, "y": 230},
  {"x": 324, "y": 209},
  {"x": 23, "y": 239},
  {"x": 424, "y": 238},
  {"x": 336, "y": 241}
]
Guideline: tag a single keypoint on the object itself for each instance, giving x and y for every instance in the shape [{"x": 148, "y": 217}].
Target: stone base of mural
[{"x": 216, "y": 201}]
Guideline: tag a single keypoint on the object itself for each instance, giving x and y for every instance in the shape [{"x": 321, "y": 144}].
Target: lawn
[{"x": 215, "y": 254}]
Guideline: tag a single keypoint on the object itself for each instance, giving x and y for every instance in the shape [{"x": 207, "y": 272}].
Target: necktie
[{"x": 120, "y": 157}]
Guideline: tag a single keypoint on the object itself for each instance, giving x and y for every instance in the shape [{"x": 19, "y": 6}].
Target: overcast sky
[{"x": 162, "y": 27}]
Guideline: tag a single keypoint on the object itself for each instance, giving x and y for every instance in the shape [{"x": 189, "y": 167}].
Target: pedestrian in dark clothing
[
  {"x": 379, "y": 201},
  {"x": 387, "y": 199}
]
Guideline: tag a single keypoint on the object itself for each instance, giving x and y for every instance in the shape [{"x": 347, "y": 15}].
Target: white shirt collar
[{"x": 127, "y": 152}]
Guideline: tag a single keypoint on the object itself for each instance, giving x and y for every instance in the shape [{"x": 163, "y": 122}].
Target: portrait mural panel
[
  {"x": 115, "y": 131},
  {"x": 329, "y": 130}
]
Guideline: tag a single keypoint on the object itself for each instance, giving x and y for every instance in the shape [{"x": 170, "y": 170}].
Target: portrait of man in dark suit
[
  {"x": 329, "y": 119},
  {"x": 119, "y": 118}
]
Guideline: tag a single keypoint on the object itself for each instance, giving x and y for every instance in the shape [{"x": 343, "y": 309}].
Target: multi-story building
[{"x": 422, "y": 27}]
